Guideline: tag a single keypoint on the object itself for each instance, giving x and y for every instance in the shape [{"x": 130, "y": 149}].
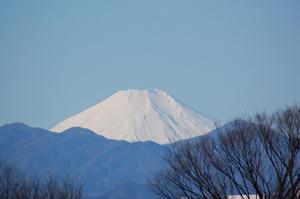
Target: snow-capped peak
[{"x": 141, "y": 115}]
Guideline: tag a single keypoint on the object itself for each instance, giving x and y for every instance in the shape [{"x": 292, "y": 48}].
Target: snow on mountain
[{"x": 141, "y": 115}]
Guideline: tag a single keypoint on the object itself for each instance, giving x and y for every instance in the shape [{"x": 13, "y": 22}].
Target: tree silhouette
[
  {"x": 259, "y": 155},
  {"x": 14, "y": 185}
]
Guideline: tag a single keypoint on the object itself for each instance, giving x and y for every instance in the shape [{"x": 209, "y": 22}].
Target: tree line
[
  {"x": 14, "y": 185},
  {"x": 258, "y": 155}
]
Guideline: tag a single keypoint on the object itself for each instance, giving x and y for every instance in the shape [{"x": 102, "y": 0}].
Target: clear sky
[{"x": 222, "y": 58}]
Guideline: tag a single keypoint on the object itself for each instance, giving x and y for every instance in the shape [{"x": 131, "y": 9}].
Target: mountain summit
[{"x": 141, "y": 115}]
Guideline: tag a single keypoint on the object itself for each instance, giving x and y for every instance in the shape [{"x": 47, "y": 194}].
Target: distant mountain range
[
  {"x": 106, "y": 168},
  {"x": 112, "y": 148}
]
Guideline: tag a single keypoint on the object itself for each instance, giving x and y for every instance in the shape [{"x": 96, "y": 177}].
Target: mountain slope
[
  {"x": 141, "y": 115},
  {"x": 101, "y": 165}
]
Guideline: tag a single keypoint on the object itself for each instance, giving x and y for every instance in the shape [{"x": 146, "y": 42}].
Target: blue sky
[{"x": 223, "y": 58}]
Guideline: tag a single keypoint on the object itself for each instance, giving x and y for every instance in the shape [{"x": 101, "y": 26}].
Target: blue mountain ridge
[{"x": 106, "y": 168}]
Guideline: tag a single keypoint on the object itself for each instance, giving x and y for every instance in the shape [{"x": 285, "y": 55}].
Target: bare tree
[
  {"x": 259, "y": 156},
  {"x": 14, "y": 185}
]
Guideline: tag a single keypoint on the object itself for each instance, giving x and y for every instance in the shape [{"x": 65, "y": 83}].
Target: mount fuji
[
  {"x": 112, "y": 148},
  {"x": 141, "y": 115}
]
